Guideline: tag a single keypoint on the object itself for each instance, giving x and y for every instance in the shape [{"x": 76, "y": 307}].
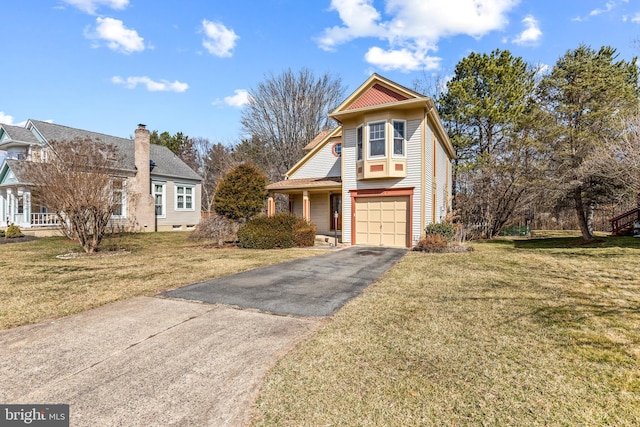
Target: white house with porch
[{"x": 167, "y": 191}]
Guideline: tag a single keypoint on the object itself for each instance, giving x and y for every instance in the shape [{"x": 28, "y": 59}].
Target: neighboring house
[
  {"x": 157, "y": 190},
  {"x": 381, "y": 176}
]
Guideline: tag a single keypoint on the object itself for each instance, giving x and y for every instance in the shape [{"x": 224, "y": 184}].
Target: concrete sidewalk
[{"x": 147, "y": 361}]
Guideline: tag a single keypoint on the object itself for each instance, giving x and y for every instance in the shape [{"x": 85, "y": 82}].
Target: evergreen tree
[
  {"x": 584, "y": 101},
  {"x": 241, "y": 193}
]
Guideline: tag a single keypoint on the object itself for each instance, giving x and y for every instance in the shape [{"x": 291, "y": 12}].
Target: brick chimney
[{"x": 143, "y": 215}]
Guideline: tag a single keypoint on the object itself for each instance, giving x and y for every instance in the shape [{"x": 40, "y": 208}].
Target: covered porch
[
  {"x": 16, "y": 207},
  {"x": 318, "y": 200}
]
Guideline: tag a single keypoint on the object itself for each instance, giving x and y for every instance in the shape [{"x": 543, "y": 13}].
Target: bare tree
[
  {"x": 285, "y": 112},
  {"x": 77, "y": 182},
  {"x": 214, "y": 162}
]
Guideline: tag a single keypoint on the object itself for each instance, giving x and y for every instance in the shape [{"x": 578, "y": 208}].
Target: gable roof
[
  {"x": 18, "y": 134},
  {"x": 376, "y": 91},
  {"x": 167, "y": 163}
]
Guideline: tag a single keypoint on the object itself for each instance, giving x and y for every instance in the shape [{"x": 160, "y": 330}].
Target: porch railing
[
  {"x": 44, "y": 219},
  {"x": 625, "y": 221}
]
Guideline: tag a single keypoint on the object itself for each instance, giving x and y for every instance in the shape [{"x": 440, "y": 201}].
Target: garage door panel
[{"x": 382, "y": 220}]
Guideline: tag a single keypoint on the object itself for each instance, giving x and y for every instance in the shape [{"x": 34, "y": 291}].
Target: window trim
[
  {"x": 404, "y": 139},
  {"x": 384, "y": 140},
  {"x": 192, "y": 195},
  {"x": 163, "y": 194},
  {"x": 123, "y": 191},
  {"x": 334, "y": 149}
]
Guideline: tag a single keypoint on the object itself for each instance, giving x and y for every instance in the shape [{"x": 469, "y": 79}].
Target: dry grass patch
[
  {"x": 515, "y": 333},
  {"x": 36, "y": 285}
]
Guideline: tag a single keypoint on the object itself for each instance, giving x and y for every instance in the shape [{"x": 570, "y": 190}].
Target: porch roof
[{"x": 288, "y": 185}]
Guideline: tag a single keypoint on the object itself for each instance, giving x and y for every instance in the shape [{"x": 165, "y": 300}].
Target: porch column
[
  {"x": 271, "y": 205},
  {"x": 306, "y": 206},
  {"x": 10, "y": 206},
  {"x": 26, "y": 207}
]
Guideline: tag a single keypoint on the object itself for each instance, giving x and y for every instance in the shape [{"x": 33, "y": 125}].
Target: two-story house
[
  {"x": 156, "y": 191},
  {"x": 381, "y": 175}
]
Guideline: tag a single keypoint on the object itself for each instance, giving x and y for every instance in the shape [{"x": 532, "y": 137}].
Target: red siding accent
[
  {"x": 399, "y": 166},
  {"x": 377, "y": 95},
  {"x": 376, "y": 168}
]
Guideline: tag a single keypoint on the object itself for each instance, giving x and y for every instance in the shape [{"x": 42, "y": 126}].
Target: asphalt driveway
[
  {"x": 159, "y": 361},
  {"x": 310, "y": 287}
]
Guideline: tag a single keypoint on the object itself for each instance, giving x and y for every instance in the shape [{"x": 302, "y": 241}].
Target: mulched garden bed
[{"x": 17, "y": 239}]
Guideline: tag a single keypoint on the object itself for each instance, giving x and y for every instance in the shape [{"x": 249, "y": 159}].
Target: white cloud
[
  {"x": 5, "y": 118},
  {"x": 636, "y": 18},
  {"x": 607, "y": 8},
  {"x": 152, "y": 85},
  {"x": 117, "y": 36},
  {"x": 219, "y": 40},
  {"x": 412, "y": 28},
  {"x": 91, "y": 6},
  {"x": 532, "y": 32},
  {"x": 240, "y": 98},
  {"x": 404, "y": 60}
]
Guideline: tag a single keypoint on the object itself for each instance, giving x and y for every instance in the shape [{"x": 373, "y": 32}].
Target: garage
[{"x": 382, "y": 221}]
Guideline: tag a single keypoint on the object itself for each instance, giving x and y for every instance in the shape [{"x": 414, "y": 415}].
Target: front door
[{"x": 335, "y": 201}]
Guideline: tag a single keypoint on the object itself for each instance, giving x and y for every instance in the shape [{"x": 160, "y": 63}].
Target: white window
[
  {"x": 184, "y": 197},
  {"x": 119, "y": 194},
  {"x": 159, "y": 197},
  {"x": 377, "y": 140},
  {"x": 359, "y": 141},
  {"x": 399, "y": 138}
]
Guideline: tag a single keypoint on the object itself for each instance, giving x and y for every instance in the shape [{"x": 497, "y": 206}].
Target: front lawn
[
  {"x": 516, "y": 333},
  {"x": 35, "y": 285}
]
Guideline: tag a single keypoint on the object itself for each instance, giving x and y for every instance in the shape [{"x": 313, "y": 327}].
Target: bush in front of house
[
  {"x": 443, "y": 237},
  {"x": 282, "y": 230},
  {"x": 1, "y": 233},
  {"x": 12, "y": 232},
  {"x": 216, "y": 228},
  {"x": 444, "y": 229}
]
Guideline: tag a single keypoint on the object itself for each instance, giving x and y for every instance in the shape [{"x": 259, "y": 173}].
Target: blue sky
[{"x": 185, "y": 65}]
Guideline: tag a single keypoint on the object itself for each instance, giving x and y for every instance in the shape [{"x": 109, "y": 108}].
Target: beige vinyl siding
[
  {"x": 443, "y": 180},
  {"x": 182, "y": 219},
  {"x": 320, "y": 212},
  {"x": 428, "y": 168},
  {"x": 322, "y": 164},
  {"x": 297, "y": 204}
]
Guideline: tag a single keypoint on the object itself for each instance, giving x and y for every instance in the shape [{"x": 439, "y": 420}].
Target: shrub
[
  {"x": 13, "y": 231},
  {"x": 1, "y": 233},
  {"x": 305, "y": 233},
  {"x": 435, "y": 243},
  {"x": 216, "y": 228},
  {"x": 444, "y": 229},
  {"x": 279, "y": 231}
]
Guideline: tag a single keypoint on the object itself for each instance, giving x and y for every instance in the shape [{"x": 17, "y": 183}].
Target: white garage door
[{"x": 382, "y": 221}]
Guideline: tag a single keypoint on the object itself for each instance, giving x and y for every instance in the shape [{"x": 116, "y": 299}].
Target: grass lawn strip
[
  {"x": 37, "y": 286},
  {"x": 539, "y": 332}
]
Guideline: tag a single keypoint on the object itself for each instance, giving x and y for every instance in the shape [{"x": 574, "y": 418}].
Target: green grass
[
  {"x": 516, "y": 333},
  {"x": 35, "y": 285}
]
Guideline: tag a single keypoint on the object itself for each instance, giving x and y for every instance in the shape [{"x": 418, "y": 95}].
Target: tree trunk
[{"x": 583, "y": 215}]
